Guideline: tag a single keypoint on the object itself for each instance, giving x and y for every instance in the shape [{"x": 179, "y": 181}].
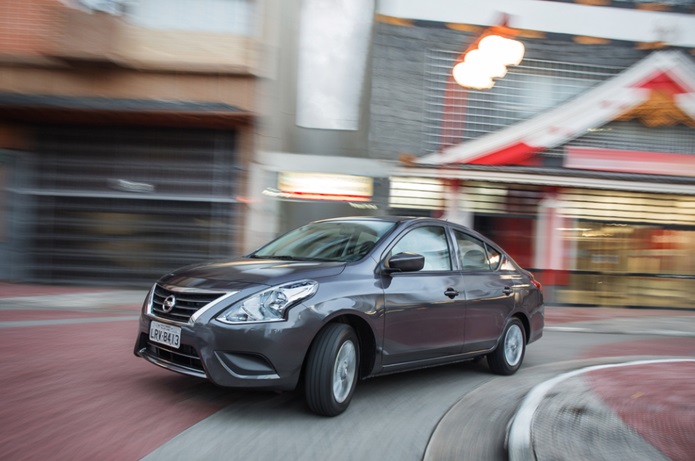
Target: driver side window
[{"x": 430, "y": 242}]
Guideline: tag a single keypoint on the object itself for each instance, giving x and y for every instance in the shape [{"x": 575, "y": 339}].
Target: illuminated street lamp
[{"x": 488, "y": 58}]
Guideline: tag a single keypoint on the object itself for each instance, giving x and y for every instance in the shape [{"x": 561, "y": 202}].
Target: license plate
[{"x": 165, "y": 334}]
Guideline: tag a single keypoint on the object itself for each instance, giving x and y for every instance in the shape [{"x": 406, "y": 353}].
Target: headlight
[{"x": 269, "y": 305}]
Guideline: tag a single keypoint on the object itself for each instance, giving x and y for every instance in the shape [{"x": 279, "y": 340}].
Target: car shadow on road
[
  {"x": 411, "y": 403},
  {"x": 381, "y": 389}
]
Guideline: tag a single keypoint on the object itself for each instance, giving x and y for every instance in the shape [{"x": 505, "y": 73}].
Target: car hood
[{"x": 239, "y": 273}]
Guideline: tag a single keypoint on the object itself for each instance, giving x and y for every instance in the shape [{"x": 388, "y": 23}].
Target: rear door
[{"x": 489, "y": 291}]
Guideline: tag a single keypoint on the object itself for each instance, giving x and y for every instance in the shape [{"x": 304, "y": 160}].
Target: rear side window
[
  {"x": 473, "y": 255},
  {"x": 494, "y": 257}
]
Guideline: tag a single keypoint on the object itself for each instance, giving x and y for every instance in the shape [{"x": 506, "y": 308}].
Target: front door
[{"x": 424, "y": 315}]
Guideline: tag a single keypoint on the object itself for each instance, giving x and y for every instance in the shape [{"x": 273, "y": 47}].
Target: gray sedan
[{"x": 343, "y": 299}]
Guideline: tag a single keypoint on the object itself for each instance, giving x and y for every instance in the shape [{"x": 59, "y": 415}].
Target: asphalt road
[
  {"x": 390, "y": 418},
  {"x": 72, "y": 389}
]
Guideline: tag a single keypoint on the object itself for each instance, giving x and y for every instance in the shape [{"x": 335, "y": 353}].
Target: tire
[
  {"x": 507, "y": 358},
  {"x": 331, "y": 370}
]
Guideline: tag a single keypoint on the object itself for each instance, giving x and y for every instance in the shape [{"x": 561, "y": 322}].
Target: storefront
[
  {"x": 592, "y": 238},
  {"x": 588, "y": 246}
]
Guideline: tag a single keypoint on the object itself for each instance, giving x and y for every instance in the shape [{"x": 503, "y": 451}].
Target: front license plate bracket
[{"x": 165, "y": 334}]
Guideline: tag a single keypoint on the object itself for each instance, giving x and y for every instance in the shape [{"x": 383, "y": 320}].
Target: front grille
[
  {"x": 186, "y": 303},
  {"x": 185, "y": 356}
]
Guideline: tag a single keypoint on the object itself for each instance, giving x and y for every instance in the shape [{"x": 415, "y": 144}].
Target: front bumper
[{"x": 257, "y": 355}]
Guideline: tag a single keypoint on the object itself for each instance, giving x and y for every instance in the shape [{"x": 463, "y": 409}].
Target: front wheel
[
  {"x": 507, "y": 358},
  {"x": 331, "y": 370}
]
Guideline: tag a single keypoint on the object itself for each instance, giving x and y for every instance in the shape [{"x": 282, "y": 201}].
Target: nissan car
[{"x": 340, "y": 300}]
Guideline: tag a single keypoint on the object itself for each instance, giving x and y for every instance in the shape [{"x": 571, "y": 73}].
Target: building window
[{"x": 220, "y": 16}]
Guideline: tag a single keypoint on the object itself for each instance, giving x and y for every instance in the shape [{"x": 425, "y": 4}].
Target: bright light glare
[
  {"x": 506, "y": 51},
  {"x": 471, "y": 76},
  {"x": 480, "y": 66},
  {"x": 487, "y": 62}
]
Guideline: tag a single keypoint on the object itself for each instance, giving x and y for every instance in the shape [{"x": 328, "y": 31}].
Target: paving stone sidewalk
[{"x": 633, "y": 411}]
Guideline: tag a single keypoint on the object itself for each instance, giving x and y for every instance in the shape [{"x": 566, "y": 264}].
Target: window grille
[{"x": 454, "y": 114}]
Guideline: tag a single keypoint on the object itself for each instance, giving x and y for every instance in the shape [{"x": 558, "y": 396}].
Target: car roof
[
  {"x": 364, "y": 218},
  {"x": 394, "y": 219},
  {"x": 385, "y": 218},
  {"x": 405, "y": 220}
]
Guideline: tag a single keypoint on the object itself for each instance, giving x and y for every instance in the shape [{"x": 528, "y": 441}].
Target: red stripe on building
[{"x": 517, "y": 154}]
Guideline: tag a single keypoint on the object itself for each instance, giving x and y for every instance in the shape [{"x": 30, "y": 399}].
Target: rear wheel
[
  {"x": 507, "y": 358},
  {"x": 331, "y": 370}
]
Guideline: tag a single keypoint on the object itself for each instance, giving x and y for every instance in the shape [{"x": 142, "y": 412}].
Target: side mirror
[{"x": 405, "y": 262}]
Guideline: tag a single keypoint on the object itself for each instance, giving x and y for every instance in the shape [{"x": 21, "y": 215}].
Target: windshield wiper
[
  {"x": 291, "y": 258},
  {"x": 281, "y": 257}
]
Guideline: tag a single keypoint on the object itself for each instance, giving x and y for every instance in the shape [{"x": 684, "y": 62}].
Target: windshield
[{"x": 327, "y": 241}]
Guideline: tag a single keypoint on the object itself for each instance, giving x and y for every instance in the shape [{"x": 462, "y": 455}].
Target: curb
[
  {"x": 475, "y": 427},
  {"x": 519, "y": 445}
]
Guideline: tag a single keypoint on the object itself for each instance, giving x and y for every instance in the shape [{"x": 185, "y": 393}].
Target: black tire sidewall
[
  {"x": 497, "y": 360},
  {"x": 318, "y": 382}
]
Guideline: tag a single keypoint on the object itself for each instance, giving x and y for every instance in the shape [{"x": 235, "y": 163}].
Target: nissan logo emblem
[{"x": 169, "y": 303}]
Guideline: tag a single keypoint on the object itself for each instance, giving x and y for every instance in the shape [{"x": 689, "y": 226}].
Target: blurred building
[
  {"x": 139, "y": 135},
  {"x": 124, "y": 130},
  {"x": 580, "y": 161}
]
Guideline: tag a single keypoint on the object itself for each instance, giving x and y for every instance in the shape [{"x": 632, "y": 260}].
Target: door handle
[
  {"x": 507, "y": 291},
  {"x": 451, "y": 293}
]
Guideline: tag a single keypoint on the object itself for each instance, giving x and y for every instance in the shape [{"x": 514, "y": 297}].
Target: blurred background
[{"x": 137, "y": 136}]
